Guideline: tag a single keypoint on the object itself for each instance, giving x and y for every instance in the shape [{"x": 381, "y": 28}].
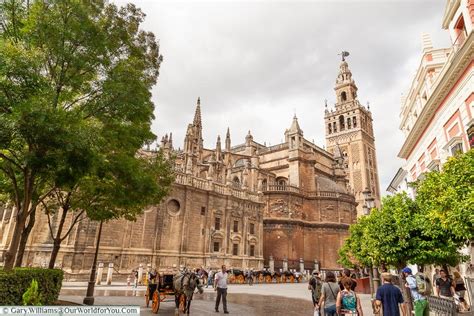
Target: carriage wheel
[
  {"x": 240, "y": 279},
  {"x": 155, "y": 302},
  {"x": 268, "y": 279},
  {"x": 300, "y": 279},
  {"x": 182, "y": 303},
  {"x": 292, "y": 279},
  {"x": 147, "y": 296}
]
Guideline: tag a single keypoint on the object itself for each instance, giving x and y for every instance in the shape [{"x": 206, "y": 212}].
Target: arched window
[
  {"x": 354, "y": 121},
  {"x": 264, "y": 184},
  {"x": 341, "y": 122},
  {"x": 236, "y": 182},
  {"x": 343, "y": 96},
  {"x": 281, "y": 183},
  {"x": 330, "y": 128},
  {"x": 349, "y": 123},
  {"x": 334, "y": 127}
]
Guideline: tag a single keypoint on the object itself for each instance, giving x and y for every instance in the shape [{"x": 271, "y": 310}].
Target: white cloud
[{"x": 254, "y": 63}]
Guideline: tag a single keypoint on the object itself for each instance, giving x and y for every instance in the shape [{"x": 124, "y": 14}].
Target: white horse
[{"x": 184, "y": 286}]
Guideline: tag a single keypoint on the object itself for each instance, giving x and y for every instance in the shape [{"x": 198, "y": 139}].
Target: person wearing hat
[
  {"x": 389, "y": 297},
  {"x": 315, "y": 286},
  {"x": 420, "y": 303}
]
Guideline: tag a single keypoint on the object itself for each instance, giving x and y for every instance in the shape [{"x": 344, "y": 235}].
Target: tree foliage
[
  {"x": 75, "y": 106},
  {"x": 432, "y": 229},
  {"x": 447, "y": 197}
]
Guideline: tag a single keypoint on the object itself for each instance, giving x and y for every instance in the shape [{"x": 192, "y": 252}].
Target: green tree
[
  {"x": 69, "y": 68},
  {"x": 447, "y": 197}
]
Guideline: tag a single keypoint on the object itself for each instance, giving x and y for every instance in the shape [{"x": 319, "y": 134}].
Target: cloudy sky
[{"x": 255, "y": 63}]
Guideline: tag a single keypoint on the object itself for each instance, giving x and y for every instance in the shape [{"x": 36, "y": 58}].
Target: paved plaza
[{"x": 259, "y": 299}]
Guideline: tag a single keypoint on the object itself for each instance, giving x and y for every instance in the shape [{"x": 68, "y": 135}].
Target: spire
[
  {"x": 218, "y": 148},
  {"x": 346, "y": 89},
  {"x": 197, "y": 114},
  {"x": 227, "y": 141},
  {"x": 295, "y": 127},
  {"x": 248, "y": 139},
  {"x": 426, "y": 42},
  {"x": 170, "y": 141}
]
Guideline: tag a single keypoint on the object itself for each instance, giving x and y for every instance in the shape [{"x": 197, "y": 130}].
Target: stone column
[
  {"x": 109, "y": 273},
  {"x": 271, "y": 264},
  {"x": 285, "y": 264},
  {"x": 99, "y": 274},
  {"x": 301, "y": 265},
  {"x": 140, "y": 274},
  {"x": 316, "y": 265}
]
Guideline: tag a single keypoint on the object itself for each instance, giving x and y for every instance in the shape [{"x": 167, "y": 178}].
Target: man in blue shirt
[
  {"x": 420, "y": 303},
  {"x": 389, "y": 296}
]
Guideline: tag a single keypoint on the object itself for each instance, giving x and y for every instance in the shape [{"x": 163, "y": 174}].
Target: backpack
[
  {"x": 423, "y": 284},
  {"x": 317, "y": 287},
  {"x": 349, "y": 301}
]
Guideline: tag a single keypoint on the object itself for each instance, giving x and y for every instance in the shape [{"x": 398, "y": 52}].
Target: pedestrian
[
  {"x": 315, "y": 285},
  {"x": 460, "y": 289},
  {"x": 329, "y": 292},
  {"x": 444, "y": 285},
  {"x": 389, "y": 297},
  {"x": 420, "y": 302},
  {"x": 347, "y": 301},
  {"x": 220, "y": 285},
  {"x": 135, "y": 278},
  {"x": 436, "y": 276},
  {"x": 346, "y": 274},
  {"x": 210, "y": 279}
]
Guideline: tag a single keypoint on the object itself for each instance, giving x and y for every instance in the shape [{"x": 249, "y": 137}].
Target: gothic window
[
  {"x": 236, "y": 182},
  {"x": 341, "y": 122},
  {"x": 349, "y": 123},
  {"x": 343, "y": 96},
  {"x": 217, "y": 223},
  {"x": 216, "y": 246},
  {"x": 354, "y": 121},
  {"x": 203, "y": 210},
  {"x": 252, "y": 251},
  {"x": 235, "y": 249},
  {"x": 252, "y": 228},
  {"x": 236, "y": 226},
  {"x": 334, "y": 127},
  {"x": 264, "y": 184},
  {"x": 330, "y": 128}
]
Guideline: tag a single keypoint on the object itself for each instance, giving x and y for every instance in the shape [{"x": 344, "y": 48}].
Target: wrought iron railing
[{"x": 442, "y": 306}]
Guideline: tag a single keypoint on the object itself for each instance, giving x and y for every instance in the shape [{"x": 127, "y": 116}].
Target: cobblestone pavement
[{"x": 264, "y": 299}]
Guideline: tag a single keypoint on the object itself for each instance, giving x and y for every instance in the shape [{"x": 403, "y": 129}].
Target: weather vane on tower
[{"x": 344, "y": 54}]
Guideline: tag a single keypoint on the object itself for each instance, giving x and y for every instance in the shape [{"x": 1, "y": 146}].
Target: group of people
[{"x": 337, "y": 297}]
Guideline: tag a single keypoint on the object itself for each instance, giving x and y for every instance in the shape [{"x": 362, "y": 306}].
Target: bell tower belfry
[{"x": 349, "y": 126}]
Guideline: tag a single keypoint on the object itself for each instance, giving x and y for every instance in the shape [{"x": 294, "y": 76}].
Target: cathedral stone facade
[{"x": 248, "y": 205}]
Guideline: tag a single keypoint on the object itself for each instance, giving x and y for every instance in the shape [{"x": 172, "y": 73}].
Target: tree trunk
[
  {"x": 89, "y": 299},
  {"x": 23, "y": 209},
  {"x": 58, "y": 239},
  {"x": 10, "y": 254},
  {"x": 24, "y": 238}
]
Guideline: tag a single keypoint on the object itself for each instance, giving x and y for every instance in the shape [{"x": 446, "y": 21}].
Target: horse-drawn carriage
[
  {"x": 265, "y": 276},
  {"x": 167, "y": 282}
]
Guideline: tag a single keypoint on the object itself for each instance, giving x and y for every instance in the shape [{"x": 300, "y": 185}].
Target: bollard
[
  {"x": 109, "y": 273},
  {"x": 99, "y": 274}
]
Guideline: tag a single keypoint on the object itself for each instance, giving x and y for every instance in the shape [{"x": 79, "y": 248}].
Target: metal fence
[{"x": 442, "y": 306}]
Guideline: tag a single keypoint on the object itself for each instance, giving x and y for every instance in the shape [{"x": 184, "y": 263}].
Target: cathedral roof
[
  {"x": 326, "y": 184},
  {"x": 295, "y": 127}
]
